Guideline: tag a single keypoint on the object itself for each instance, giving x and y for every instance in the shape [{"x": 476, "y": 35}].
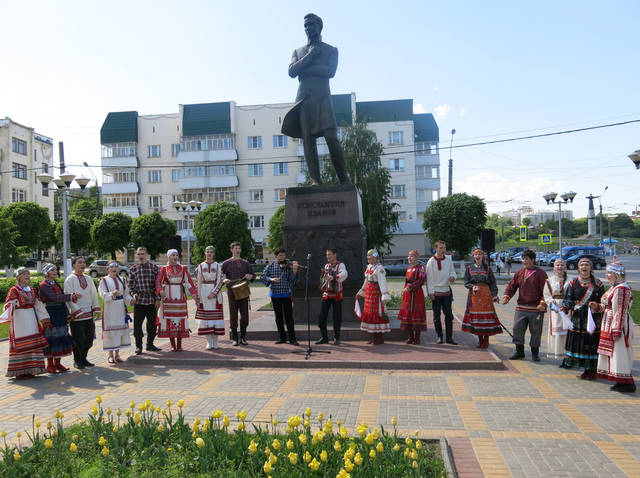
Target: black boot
[
  {"x": 449, "y": 332},
  {"x": 535, "y": 354},
  {"x": 519, "y": 354},
  {"x": 626, "y": 388},
  {"x": 243, "y": 335}
]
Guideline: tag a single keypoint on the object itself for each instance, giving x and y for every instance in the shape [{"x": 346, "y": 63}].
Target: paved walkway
[{"x": 533, "y": 419}]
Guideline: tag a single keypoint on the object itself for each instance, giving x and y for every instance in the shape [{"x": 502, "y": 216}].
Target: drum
[{"x": 241, "y": 290}]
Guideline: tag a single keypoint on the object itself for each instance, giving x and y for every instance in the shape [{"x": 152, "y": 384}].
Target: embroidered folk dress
[
  {"x": 480, "y": 316},
  {"x": 23, "y": 310},
  {"x": 581, "y": 347},
  {"x": 554, "y": 292},
  {"x": 173, "y": 316},
  {"x": 60, "y": 342},
  {"x": 412, "y": 314},
  {"x": 374, "y": 319},
  {"x": 615, "y": 351},
  {"x": 115, "y": 329},
  {"x": 209, "y": 314}
]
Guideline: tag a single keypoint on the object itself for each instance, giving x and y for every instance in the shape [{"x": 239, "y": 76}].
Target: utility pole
[{"x": 453, "y": 131}]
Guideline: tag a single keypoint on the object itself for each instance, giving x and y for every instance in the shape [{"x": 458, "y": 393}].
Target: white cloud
[
  {"x": 441, "y": 111},
  {"x": 418, "y": 108},
  {"x": 436, "y": 88},
  {"x": 463, "y": 111}
]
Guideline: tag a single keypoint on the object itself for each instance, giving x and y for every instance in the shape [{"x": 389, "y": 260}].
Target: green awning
[
  {"x": 206, "y": 118},
  {"x": 384, "y": 111},
  {"x": 120, "y": 127},
  {"x": 425, "y": 128}
]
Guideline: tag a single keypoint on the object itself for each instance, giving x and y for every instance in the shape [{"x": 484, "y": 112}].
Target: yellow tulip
[
  {"x": 102, "y": 441},
  {"x": 357, "y": 459},
  {"x": 343, "y": 474},
  {"x": 94, "y": 410},
  {"x": 343, "y": 432},
  {"x": 323, "y": 456},
  {"x": 289, "y": 444},
  {"x": 293, "y": 458},
  {"x": 273, "y": 459},
  {"x": 380, "y": 447},
  {"x": 3, "y": 434},
  {"x": 407, "y": 452},
  {"x": 58, "y": 414},
  {"x": 416, "y": 432},
  {"x": 242, "y": 415},
  {"x": 414, "y": 454},
  {"x": 307, "y": 423},
  {"x": 160, "y": 428},
  {"x": 408, "y": 441},
  {"x": 217, "y": 414},
  {"x": 74, "y": 438},
  {"x": 49, "y": 425},
  {"x": 267, "y": 466},
  {"x": 275, "y": 422},
  {"x": 396, "y": 447},
  {"x": 142, "y": 407},
  {"x": 19, "y": 434},
  {"x": 118, "y": 412},
  {"x": 199, "y": 442},
  {"x": 253, "y": 447},
  {"x": 307, "y": 412},
  {"x": 267, "y": 451},
  {"x": 105, "y": 451},
  {"x": 128, "y": 412},
  {"x": 337, "y": 446},
  {"x": 314, "y": 465},
  {"x": 348, "y": 465},
  {"x": 169, "y": 402},
  {"x": 241, "y": 426},
  {"x": 289, "y": 429},
  {"x": 369, "y": 439},
  {"x": 339, "y": 422},
  {"x": 225, "y": 421},
  {"x": 98, "y": 399},
  {"x": 132, "y": 404},
  {"x": 375, "y": 434},
  {"x": 394, "y": 421},
  {"x": 48, "y": 443},
  {"x": 302, "y": 438},
  {"x": 108, "y": 411},
  {"x": 372, "y": 454},
  {"x": 414, "y": 464},
  {"x": 418, "y": 445},
  {"x": 137, "y": 418},
  {"x": 362, "y": 430},
  {"x": 115, "y": 429},
  {"x": 348, "y": 455},
  {"x": 275, "y": 444},
  {"x": 16, "y": 456},
  {"x": 320, "y": 417},
  {"x": 307, "y": 457},
  {"x": 180, "y": 403},
  {"x": 37, "y": 424},
  {"x": 54, "y": 433},
  {"x": 73, "y": 447}
]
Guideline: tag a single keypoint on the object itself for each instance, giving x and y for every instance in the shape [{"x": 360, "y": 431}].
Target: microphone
[{"x": 308, "y": 256}]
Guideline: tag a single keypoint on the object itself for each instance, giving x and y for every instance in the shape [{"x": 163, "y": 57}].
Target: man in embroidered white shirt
[{"x": 440, "y": 275}]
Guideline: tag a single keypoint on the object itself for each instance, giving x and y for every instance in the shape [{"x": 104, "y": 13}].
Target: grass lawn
[{"x": 635, "y": 308}]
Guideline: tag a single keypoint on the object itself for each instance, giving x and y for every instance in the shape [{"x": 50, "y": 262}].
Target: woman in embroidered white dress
[
  {"x": 554, "y": 291},
  {"x": 173, "y": 315},
  {"x": 615, "y": 350},
  {"x": 115, "y": 329},
  {"x": 375, "y": 292},
  {"x": 209, "y": 314}
]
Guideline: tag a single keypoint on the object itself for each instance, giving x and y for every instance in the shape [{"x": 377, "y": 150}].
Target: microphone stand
[{"x": 309, "y": 350}]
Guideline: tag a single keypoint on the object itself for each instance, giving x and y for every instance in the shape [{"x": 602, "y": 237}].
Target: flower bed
[{"x": 149, "y": 441}]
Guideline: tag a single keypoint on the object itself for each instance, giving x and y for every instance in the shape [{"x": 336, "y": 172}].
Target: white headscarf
[{"x": 172, "y": 251}]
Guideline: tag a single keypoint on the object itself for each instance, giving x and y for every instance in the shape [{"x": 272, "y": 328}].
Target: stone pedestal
[{"x": 318, "y": 218}]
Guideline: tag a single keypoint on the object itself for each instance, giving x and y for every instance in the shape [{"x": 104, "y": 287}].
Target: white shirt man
[{"x": 440, "y": 275}]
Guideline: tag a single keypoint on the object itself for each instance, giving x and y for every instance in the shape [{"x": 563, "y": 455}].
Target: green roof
[
  {"x": 342, "y": 109},
  {"x": 206, "y": 118},
  {"x": 120, "y": 127},
  {"x": 425, "y": 127},
  {"x": 384, "y": 111}
]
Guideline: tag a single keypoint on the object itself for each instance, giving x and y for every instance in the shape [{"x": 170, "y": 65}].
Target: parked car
[
  {"x": 599, "y": 262},
  {"x": 398, "y": 268},
  {"x": 30, "y": 262},
  {"x": 99, "y": 268},
  {"x": 517, "y": 257}
]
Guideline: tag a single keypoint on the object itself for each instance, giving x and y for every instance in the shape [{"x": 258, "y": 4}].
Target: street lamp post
[
  {"x": 188, "y": 209},
  {"x": 453, "y": 131},
  {"x": 565, "y": 199}
]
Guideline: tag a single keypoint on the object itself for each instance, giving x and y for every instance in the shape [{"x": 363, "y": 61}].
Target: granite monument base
[{"x": 318, "y": 218}]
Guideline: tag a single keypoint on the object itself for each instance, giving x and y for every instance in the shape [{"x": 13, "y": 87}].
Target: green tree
[
  {"x": 219, "y": 225},
  {"x": 79, "y": 233},
  {"x": 86, "y": 208},
  {"x": 110, "y": 233},
  {"x": 458, "y": 220},
  {"x": 153, "y": 232},
  {"x": 8, "y": 251},
  {"x": 276, "y": 230},
  {"x": 31, "y": 221},
  {"x": 362, "y": 156},
  {"x": 526, "y": 221}
]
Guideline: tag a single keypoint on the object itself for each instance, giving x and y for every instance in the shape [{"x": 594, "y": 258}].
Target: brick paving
[{"x": 526, "y": 420}]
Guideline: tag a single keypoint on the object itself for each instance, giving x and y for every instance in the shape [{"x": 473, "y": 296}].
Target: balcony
[
  {"x": 131, "y": 211},
  {"x": 321, "y": 144},
  {"x": 120, "y": 188},
  {"x": 207, "y": 156},
  {"x": 120, "y": 162},
  {"x": 198, "y": 182}
]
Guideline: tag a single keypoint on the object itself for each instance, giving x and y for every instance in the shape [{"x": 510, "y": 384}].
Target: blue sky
[{"x": 488, "y": 69}]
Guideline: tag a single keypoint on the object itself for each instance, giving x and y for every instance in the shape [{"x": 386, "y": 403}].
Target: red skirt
[
  {"x": 373, "y": 319},
  {"x": 412, "y": 311},
  {"x": 480, "y": 317},
  {"x": 174, "y": 323}
]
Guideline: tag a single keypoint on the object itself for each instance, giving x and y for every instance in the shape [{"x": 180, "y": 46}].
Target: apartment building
[
  {"x": 223, "y": 151},
  {"x": 23, "y": 155}
]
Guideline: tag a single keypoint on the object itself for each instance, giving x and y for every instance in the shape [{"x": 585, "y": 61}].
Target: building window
[
  {"x": 255, "y": 195},
  {"x": 18, "y": 146},
  {"x": 422, "y": 171},
  {"x": 18, "y": 195},
  {"x": 208, "y": 171},
  {"x": 280, "y": 169},
  {"x": 281, "y": 194},
  {"x": 155, "y": 202},
  {"x": 153, "y": 151},
  {"x": 119, "y": 150},
  {"x": 396, "y": 164},
  {"x": 45, "y": 168},
  {"x": 395, "y": 137},
  {"x": 279, "y": 141},
  {"x": 207, "y": 143},
  {"x": 19, "y": 171},
  {"x": 423, "y": 147},
  {"x": 434, "y": 172},
  {"x": 397, "y": 191},
  {"x": 124, "y": 176},
  {"x": 175, "y": 149},
  {"x": 176, "y": 174},
  {"x": 402, "y": 216},
  {"x": 155, "y": 176},
  {"x": 254, "y": 142},
  {"x": 255, "y": 170},
  {"x": 45, "y": 190},
  {"x": 256, "y": 222},
  {"x": 207, "y": 195},
  {"x": 121, "y": 200}
]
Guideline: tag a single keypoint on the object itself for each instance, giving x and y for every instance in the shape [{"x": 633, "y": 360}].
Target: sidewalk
[{"x": 532, "y": 419}]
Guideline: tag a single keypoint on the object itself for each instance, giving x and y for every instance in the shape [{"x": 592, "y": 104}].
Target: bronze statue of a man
[{"x": 312, "y": 116}]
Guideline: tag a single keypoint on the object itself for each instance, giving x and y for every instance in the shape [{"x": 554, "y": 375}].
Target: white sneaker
[
  {"x": 208, "y": 347},
  {"x": 215, "y": 342}
]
